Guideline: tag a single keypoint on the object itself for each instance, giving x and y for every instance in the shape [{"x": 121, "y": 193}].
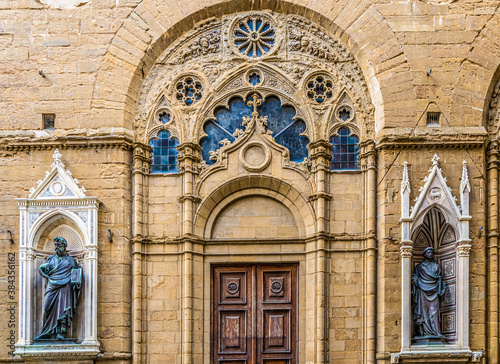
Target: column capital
[
  {"x": 141, "y": 158},
  {"x": 463, "y": 250},
  {"x": 189, "y": 157},
  {"x": 406, "y": 251}
]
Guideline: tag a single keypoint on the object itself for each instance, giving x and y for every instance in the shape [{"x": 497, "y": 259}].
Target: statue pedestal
[
  {"x": 429, "y": 340},
  {"x": 57, "y": 350}
]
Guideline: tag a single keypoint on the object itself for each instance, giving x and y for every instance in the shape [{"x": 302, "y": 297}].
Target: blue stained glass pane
[
  {"x": 278, "y": 117},
  {"x": 164, "y": 153},
  {"x": 297, "y": 145},
  {"x": 165, "y": 117},
  {"x": 344, "y": 150},
  {"x": 254, "y": 79},
  {"x": 281, "y": 122},
  {"x": 212, "y": 141},
  {"x": 231, "y": 119}
]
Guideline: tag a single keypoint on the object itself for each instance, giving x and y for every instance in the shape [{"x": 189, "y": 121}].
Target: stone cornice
[
  {"x": 432, "y": 142},
  {"x": 67, "y": 142}
]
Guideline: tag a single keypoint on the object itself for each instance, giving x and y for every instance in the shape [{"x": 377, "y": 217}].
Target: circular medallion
[
  {"x": 188, "y": 90},
  {"x": 320, "y": 88},
  {"x": 232, "y": 288},
  {"x": 435, "y": 194},
  {"x": 255, "y": 156},
  {"x": 276, "y": 287},
  {"x": 254, "y": 36},
  {"x": 57, "y": 188},
  {"x": 344, "y": 113}
]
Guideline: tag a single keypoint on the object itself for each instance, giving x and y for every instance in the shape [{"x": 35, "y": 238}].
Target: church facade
[{"x": 250, "y": 181}]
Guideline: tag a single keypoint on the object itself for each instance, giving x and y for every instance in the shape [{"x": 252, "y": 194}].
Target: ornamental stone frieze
[{"x": 237, "y": 55}]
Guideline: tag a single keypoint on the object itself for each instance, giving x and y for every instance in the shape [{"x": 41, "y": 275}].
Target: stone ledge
[
  {"x": 437, "y": 356},
  {"x": 61, "y": 351}
]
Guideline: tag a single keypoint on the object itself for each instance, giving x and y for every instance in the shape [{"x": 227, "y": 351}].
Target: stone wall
[{"x": 95, "y": 66}]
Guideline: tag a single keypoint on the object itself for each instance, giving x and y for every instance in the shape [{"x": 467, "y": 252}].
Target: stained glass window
[
  {"x": 164, "y": 153},
  {"x": 281, "y": 121},
  {"x": 344, "y": 150}
]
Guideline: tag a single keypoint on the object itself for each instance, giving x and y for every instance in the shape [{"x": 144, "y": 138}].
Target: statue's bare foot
[{"x": 60, "y": 337}]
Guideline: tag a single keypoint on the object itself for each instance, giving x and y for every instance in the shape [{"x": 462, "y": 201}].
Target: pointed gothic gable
[
  {"x": 435, "y": 192},
  {"x": 58, "y": 183}
]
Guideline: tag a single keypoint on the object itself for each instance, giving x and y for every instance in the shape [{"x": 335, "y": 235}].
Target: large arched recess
[
  {"x": 240, "y": 187},
  {"x": 479, "y": 73},
  {"x": 154, "y": 24}
]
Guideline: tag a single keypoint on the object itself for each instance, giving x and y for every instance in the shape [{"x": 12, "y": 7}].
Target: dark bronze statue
[
  {"x": 427, "y": 289},
  {"x": 64, "y": 280}
]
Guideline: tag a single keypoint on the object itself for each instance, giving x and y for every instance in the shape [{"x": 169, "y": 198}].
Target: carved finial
[
  {"x": 405, "y": 183},
  {"x": 435, "y": 160},
  {"x": 57, "y": 156},
  {"x": 256, "y": 102},
  {"x": 464, "y": 183},
  {"x": 57, "y": 159}
]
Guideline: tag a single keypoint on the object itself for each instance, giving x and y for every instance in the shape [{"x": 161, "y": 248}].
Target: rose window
[
  {"x": 188, "y": 90},
  {"x": 320, "y": 89},
  {"x": 254, "y": 36}
]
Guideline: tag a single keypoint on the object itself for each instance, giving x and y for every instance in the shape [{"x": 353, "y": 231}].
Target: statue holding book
[{"x": 62, "y": 290}]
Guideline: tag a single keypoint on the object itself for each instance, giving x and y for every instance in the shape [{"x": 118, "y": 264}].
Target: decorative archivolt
[
  {"x": 494, "y": 111},
  {"x": 291, "y": 58}
]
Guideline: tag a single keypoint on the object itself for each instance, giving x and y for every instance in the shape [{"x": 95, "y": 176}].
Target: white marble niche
[
  {"x": 58, "y": 206},
  {"x": 436, "y": 199}
]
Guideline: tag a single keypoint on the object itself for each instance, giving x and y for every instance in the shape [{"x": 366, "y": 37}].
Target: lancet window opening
[
  {"x": 164, "y": 155},
  {"x": 345, "y": 150}
]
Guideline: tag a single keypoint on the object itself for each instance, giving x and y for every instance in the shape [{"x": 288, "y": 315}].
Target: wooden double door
[{"x": 254, "y": 316}]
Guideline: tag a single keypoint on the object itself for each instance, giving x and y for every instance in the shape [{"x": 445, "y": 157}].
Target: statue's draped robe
[
  {"x": 427, "y": 285},
  {"x": 60, "y": 296}
]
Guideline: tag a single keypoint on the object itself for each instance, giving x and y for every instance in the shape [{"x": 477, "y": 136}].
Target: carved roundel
[
  {"x": 344, "y": 113},
  {"x": 254, "y": 36},
  {"x": 255, "y": 156},
  {"x": 254, "y": 77},
  {"x": 232, "y": 287},
  {"x": 435, "y": 194},
  {"x": 188, "y": 90},
  {"x": 276, "y": 286},
  {"x": 320, "y": 88},
  {"x": 163, "y": 116},
  {"x": 57, "y": 188}
]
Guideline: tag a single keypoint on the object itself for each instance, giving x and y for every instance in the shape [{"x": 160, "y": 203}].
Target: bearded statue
[{"x": 64, "y": 280}]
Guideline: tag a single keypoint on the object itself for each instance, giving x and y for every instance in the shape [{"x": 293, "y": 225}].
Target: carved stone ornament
[
  {"x": 238, "y": 54},
  {"x": 435, "y": 209},
  {"x": 254, "y": 36},
  {"x": 59, "y": 210},
  {"x": 255, "y": 156}
]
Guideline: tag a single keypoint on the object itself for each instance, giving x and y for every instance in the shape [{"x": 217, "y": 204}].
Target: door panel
[
  {"x": 231, "y": 317},
  {"x": 254, "y": 314},
  {"x": 276, "y": 313}
]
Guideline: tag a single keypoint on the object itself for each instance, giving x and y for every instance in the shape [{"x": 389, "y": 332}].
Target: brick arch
[
  {"x": 255, "y": 185},
  {"x": 492, "y": 108},
  {"x": 154, "y": 24},
  {"x": 479, "y": 73}
]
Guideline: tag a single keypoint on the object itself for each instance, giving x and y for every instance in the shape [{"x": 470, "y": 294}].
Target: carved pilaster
[
  {"x": 189, "y": 157},
  {"x": 141, "y": 158},
  {"x": 367, "y": 155},
  {"x": 492, "y": 243},
  {"x": 320, "y": 154}
]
